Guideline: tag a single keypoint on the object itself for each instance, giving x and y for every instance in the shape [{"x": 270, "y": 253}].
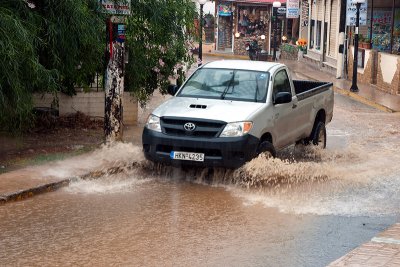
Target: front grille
[{"x": 204, "y": 128}]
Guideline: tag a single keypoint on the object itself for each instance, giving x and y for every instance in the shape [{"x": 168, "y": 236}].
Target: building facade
[{"x": 319, "y": 25}]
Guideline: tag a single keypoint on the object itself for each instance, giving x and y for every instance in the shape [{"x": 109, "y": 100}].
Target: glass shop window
[{"x": 252, "y": 21}]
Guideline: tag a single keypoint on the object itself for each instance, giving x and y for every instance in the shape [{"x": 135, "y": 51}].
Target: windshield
[{"x": 240, "y": 85}]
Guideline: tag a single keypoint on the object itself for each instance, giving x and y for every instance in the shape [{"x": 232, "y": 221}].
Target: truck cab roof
[{"x": 242, "y": 65}]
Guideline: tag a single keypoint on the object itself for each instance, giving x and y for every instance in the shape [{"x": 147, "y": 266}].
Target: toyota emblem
[{"x": 189, "y": 126}]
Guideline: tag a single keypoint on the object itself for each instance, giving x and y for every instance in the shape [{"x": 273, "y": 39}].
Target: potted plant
[
  {"x": 302, "y": 46},
  {"x": 361, "y": 41},
  {"x": 367, "y": 43}
]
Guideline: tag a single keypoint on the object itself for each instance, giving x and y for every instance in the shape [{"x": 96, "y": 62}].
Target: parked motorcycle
[{"x": 253, "y": 49}]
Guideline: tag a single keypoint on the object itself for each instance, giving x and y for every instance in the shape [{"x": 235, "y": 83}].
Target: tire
[
  {"x": 266, "y": 147},
  {"x": 318, "y": 136}
]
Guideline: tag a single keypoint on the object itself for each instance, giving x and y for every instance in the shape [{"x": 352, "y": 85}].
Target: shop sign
[
  {"x": 224, "y": 10},
  {"x": 281, "y": 11},
  {"x": 292, "y": 9},
  {"x": 351, "y": 13},
  {"x": 111, "y": 7}
]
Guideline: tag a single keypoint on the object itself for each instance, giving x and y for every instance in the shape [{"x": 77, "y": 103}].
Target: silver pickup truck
[{"x": 229, "y": 111}]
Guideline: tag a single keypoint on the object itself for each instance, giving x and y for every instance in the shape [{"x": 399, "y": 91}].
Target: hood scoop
[{"x": 198, "y": 106}]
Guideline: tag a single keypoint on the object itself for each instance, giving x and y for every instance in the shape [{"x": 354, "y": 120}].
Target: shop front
[
  {"x": 243, "y": 21},
  {"x": 382, "y": 29},
  {"x": 379, "y": 46}
]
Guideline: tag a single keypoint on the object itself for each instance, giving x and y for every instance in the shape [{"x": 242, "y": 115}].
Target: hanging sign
[
  {"x": 121, "y": 7},
  {"x": 351, "y": 13},
  {"x": 281, "y": 11},
  {"x": 292, "y": 9}
]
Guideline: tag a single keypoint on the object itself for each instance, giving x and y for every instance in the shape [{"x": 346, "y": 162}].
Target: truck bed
[{"x": 305, "y": 89}]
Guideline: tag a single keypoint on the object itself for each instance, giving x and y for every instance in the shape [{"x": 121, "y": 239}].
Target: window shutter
[{"x": 333, "y": 29}]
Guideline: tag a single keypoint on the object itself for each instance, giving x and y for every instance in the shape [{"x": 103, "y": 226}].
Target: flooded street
[{"x": 305, "y": 208}]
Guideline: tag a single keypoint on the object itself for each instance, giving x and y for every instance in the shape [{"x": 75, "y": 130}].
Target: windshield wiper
[{"x": 231, "y": 82}]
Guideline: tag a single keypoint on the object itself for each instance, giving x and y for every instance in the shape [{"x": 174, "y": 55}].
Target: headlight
[
  {"x": 235, "y": 129},
  {"x": 153, "y": 123}
]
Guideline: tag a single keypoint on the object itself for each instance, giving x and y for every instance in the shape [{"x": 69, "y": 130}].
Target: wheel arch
[
  {"x": 266, "y": 137},
  {"x": 320, "y": 117}
]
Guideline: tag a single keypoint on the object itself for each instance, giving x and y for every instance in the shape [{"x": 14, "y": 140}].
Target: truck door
[{"x": 284, "y": 121}]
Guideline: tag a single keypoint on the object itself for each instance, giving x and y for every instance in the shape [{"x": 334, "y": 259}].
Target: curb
[
  {"x": 225, "y": 56},
  {"x": 53, "y": 186},
  {"x": 37, "y": 190},
  {"x": 363, "y": 100}
]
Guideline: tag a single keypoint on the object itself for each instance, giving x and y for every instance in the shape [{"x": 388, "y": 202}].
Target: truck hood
[{"x": 212, "y": 109}]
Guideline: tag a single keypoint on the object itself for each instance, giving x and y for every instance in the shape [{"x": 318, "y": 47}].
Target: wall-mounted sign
[
  {"x": 224, "y": 10},
  {"x": 122, "y": 8},
  {"x": 351, "y": 13},
  {"x": 292, "y": 9}
]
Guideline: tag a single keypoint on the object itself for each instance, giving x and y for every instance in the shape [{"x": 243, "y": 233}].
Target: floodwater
[{"x": 305, "y": 208}]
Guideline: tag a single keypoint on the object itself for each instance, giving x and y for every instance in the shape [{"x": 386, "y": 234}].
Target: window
[
  {"x": 252, "y": 20},
  {"x": 281, "y": 83},
  {"x": 318, "y": 35},
  {"x": 312, "y": 32}
]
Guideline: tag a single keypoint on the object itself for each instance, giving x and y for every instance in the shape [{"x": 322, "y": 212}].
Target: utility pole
[
  {"x": 114, "y": 86},
  {"x": 114, "y": 76},
  {"x": 340, "y": 70}
]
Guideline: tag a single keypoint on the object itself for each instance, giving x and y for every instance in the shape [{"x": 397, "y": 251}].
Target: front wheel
[
  {"x": 267, "y": 148},
  {"x": 318, "y": 136}
]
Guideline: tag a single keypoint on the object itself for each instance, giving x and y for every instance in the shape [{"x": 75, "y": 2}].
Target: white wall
[{"x": 91, "y": 104}]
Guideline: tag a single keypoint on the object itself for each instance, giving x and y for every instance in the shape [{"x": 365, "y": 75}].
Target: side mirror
[
  {"x": 172, "y": 89},
  {"x": 283, "y": 98}
]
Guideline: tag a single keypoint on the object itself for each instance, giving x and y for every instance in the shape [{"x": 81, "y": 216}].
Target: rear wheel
[
  {"x": 267, "y": 148},
  {"x": 318, "y": 136}
]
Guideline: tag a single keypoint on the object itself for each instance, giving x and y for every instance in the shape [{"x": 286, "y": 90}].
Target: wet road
[{"x": 304, "y": 209}]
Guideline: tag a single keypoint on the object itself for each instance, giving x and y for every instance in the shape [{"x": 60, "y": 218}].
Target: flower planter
[{"x": 367, "y": 45}]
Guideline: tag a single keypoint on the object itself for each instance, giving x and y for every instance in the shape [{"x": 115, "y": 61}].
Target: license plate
[{"x": 187, "y": 156}]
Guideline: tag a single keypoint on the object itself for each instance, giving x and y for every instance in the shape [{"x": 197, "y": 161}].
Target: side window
[{"x": 281, "y": 83}]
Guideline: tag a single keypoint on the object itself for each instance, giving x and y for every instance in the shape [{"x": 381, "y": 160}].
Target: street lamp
[
  {"x": 263, "y": 43},
  {"x": 275, "y": 6},
  {"x": 200, "y": 61},
  {"x": 354, "y": 87}
]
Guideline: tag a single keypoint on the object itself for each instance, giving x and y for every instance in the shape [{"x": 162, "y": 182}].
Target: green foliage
[
  {"x": 45, "y": 46},
  {"x": 159, "y": 41},
  {"x": 53, "y": 45}
]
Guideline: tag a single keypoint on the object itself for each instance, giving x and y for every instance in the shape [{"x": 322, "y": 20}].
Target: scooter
[{"x": 253, "y": 49}]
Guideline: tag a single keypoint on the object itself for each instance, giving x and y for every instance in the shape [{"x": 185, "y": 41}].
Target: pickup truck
[{"x": 229, "y": 111}]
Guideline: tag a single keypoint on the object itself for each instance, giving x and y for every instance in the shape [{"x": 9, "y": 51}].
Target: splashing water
[
  {"x": 302, "y": 180},
  {"x": 357, "y": 175}
]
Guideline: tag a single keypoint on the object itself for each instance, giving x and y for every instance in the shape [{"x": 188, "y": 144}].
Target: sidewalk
[
  {"x": 368, "y": 94},
  {"x": 383, "y": 250}
]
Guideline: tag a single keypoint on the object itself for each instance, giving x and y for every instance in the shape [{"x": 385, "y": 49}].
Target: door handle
[{"x": 294, "y": 106}]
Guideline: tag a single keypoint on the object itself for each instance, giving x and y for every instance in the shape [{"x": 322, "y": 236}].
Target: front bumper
[{"x": 229, "y": 152}]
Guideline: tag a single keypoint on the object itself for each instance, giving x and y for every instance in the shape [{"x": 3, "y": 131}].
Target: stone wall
[
  {"x": 239, "y": 47},
  {"x": 380, "y": 69},
  {"x": 388, "y": 78},
  {"x": 368, "y": 73},
  {"x": 91, "y": 104},
  {"x": 290, "y": 52}
]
